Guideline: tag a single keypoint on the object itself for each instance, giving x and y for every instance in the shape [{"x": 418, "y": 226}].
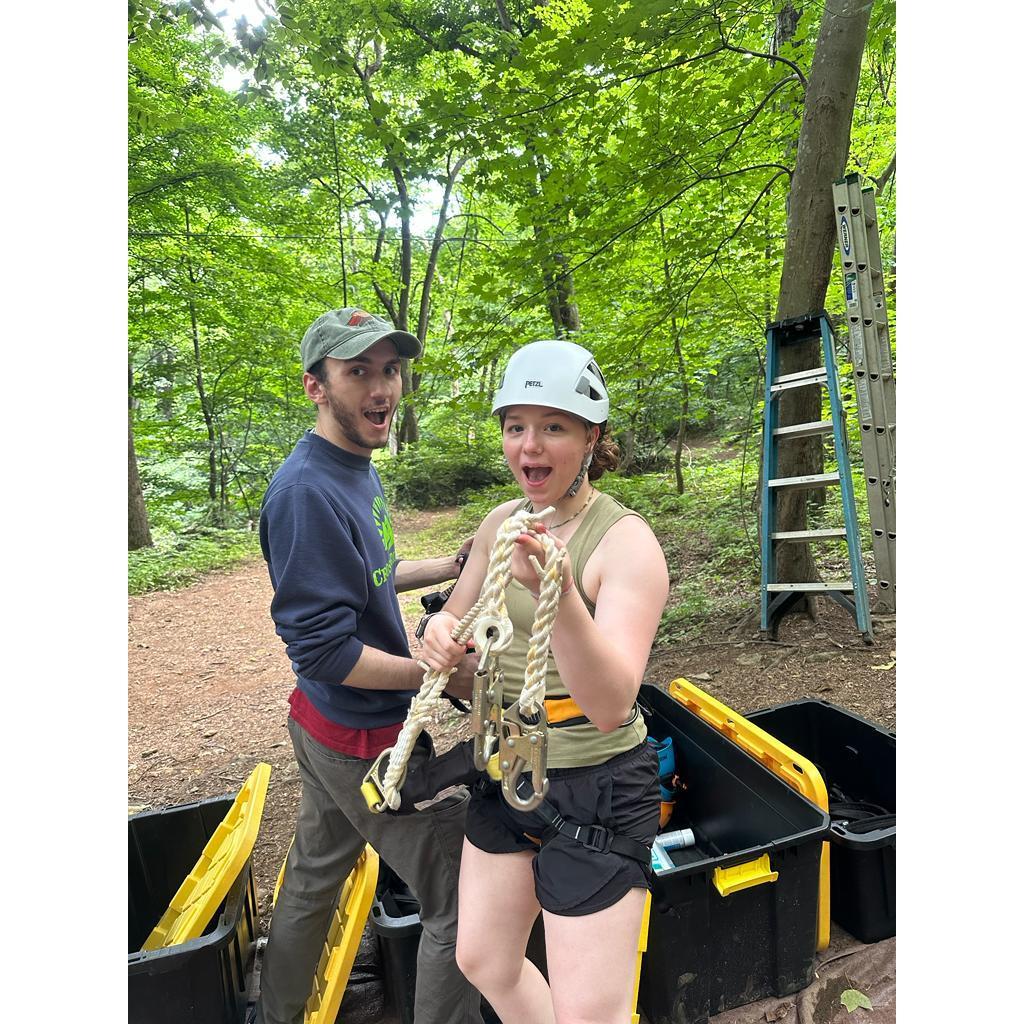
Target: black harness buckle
[{"x": 594, "y": 837}]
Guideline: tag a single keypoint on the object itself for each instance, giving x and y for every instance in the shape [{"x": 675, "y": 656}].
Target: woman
[{"x": 553, "y": 408}]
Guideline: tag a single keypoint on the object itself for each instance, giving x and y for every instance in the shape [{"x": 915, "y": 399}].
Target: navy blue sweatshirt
[{"x": 326, "y": 534}]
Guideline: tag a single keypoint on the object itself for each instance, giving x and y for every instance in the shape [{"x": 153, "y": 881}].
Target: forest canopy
[{"x": 484, "y": 173}]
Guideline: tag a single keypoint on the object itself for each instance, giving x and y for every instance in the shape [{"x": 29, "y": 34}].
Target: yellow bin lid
[
  {"x": 793, "y": 768},
  {"x": 197, "y": 899},
  {"x": 343, "y": 935}
]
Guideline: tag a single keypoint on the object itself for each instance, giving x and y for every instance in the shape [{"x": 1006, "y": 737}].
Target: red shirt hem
[{"x": 364, "y": 743}]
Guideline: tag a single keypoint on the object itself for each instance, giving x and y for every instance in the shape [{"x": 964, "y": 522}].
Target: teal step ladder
[{"x": 778, "y": 595}]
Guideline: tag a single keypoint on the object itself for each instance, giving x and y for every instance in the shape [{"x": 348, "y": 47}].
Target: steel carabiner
[
  {"x": 373, "y": 782},
  {"x": 485, "y": 714},
  {"x": 524, "y": 746}
]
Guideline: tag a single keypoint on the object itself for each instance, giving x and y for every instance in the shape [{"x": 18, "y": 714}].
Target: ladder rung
[
  {"x": 804, "y": 429},
  {"x": 801, "y": 482},
  {"x": 799, "y": 375},
  {"x": 843, "y": 586},
  {"x": 802, "y": 382},
  {"x": 808, "y": 534}
]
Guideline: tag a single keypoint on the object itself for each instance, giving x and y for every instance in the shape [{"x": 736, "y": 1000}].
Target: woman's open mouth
[{"x": 536, "y": 475}]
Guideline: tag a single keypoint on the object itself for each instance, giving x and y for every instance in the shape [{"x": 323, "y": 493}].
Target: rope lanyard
[{"x": 519, "y": 732}]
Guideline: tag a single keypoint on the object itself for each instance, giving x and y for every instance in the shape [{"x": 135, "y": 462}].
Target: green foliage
[
  {"x": 853, "y": 998},
  {"x": 177, "y": 560},
  {"x": 441, "y": 474},
  {"x": 708, "y": 533},
  {"x": 619, "y": 151}
]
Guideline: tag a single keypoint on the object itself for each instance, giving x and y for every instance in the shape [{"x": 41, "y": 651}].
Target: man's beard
[{"x": 350, "y": 425}]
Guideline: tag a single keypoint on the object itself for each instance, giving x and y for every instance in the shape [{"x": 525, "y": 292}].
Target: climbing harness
[
  {"x": 593, "y": 837},
  {"x": 516, "y": 735}
]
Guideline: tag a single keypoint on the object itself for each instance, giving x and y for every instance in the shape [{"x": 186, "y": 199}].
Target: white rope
[
  {"x": 489, "y": 607},
  {"x": 532, "y": 697}
]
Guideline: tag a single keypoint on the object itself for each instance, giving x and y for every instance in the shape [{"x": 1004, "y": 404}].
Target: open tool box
[{"x": 735, "y": 917}]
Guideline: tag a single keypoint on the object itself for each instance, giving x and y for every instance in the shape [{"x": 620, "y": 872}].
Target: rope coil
[{"x": 489, "y": 625}]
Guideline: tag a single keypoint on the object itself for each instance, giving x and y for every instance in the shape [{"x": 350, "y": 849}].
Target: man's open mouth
[
  {"x": 536, "y": 474},
  {"x": 377, "y": 416}
]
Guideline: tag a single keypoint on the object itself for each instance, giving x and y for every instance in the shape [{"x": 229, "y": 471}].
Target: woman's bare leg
[
  {"x": 592, "y": 961},
  {"x": 497, "y": 908}
]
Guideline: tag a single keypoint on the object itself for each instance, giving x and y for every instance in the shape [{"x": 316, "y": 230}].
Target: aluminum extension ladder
[
  {"x": 777, "y": 595},
  {"x": 871, "y": 355}
]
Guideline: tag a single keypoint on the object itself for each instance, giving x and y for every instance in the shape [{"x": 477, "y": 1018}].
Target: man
[{"x": 327, "y": 537}]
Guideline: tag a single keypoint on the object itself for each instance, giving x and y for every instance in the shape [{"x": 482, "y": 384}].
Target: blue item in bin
[
  {"x": 660, "y": 860},
  {"x": 666, "y": 777},
  {"x": 666, "y": 765}
]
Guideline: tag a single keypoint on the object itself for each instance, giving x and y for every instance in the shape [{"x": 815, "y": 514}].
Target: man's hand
[
  {"x": 463, "y": 553},
  {"x": 460, "y": 683}
]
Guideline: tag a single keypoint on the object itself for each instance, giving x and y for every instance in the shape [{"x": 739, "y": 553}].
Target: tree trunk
[
  {"x": 138, "y": 521},
  {"x": 627, "y": 440},
  {"x": 559, "y": 287},
  {"x": 565, "y": 314},
  {"x": 684, "y": 411},
  {"x": 810, "y": 242},
  {"x": 204, "y": 401},
  {"x": 435, "y": 251},
  {"x": 342, "y": 217},
  {"x": 786, "y": 22},
  {"x": 409, "y": 431}
]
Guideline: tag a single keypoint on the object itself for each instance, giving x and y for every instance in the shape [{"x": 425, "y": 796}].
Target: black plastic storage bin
[
  {"x": 395, "y": 920},
  {"x": 857, "y": 761},
  {"x": 708, "y": 952},
  {"x": 198, "y": 982}
]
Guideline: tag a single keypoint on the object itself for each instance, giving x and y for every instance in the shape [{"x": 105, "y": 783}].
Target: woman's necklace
[{"x": 580, "y": 512}]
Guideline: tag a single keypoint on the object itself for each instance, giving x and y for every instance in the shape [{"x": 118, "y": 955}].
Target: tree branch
[
  {"x": 323, "y": 184},
  {"x": 883, "y": 178},
  {"x": 506, "y": 22},
  {"x": 449, "y": 44},
  {"x": 385, "y": 301},
  {"x": 726, "y": 45},
  {"x": 479, "y": 216},
  {"x": 171, "y": 182},
  {"x": 747, "y": 122}
]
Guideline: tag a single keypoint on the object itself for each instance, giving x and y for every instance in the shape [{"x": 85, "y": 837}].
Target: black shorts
[{"x": 622, "y": 794}]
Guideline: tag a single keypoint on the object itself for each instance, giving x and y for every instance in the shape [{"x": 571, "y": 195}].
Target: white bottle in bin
[{"x": 678, "y": 840}]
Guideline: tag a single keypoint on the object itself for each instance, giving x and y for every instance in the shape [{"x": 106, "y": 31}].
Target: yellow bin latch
[{"x": 744, "y": 876}]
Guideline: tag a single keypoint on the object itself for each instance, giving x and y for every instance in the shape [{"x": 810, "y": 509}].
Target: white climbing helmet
[{"x": 558, "y": 375}]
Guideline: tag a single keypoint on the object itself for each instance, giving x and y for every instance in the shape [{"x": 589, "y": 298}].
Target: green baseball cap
[{"x": 345, "y": 333}]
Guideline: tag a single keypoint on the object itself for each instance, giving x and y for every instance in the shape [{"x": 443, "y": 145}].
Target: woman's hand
[
  {"x": 522, "y": 568},
  {"x": 438, "y": 649}
]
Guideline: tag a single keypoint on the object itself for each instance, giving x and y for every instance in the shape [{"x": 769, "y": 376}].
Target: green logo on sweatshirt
[{"x": 382, "y": 520}]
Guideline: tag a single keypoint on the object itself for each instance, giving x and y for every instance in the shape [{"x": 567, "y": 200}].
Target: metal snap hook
[
  {"x": 523, "y": 747},
  {"x": 373, "y": 782}
]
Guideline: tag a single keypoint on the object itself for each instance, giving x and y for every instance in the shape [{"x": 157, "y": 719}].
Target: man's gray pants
[{"x": 424, "y": 849}]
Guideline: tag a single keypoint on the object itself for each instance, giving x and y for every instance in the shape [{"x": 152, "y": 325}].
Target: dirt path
[{"x": 209, "y": 681}]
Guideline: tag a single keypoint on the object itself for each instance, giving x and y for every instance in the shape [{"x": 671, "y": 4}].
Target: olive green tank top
[{"x": 581, "y": 743}]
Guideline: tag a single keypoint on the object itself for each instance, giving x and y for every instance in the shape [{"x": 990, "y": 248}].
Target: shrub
[
  {"x": 440, "y": 473},
  {"x": 177, "y": 560}
]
